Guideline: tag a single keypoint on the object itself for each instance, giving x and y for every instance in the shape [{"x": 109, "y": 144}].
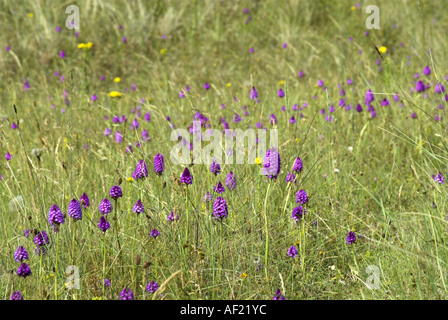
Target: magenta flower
[
  {"x": 186, "y": 177},
  {"x": 138, "y": 207},
  {"x": 439, "y": 178},
  {"x": 292, "y": 252},
  {"x": 272, "y": 163},
  {"x": 105, "y": 207},
  {"x": 140, "y": 171},
  {"x": 75, "y": 210},
  {"x": 103, "y": 225},
  {"x": 281, "y": 93},
  {"x": 220, "y": 209},
  {"x": 253, "y": 95},
  {"x": 159, "y": 164},
  {"x": 118, "y": 137},
  {"x": 154, "y": 233},
  {"x": 26, "y": 84},
  {"x": 135, "y": 123},
  {"x": 351, "y": 238},
  {"x": 85, "y": 202},
  {"x": 301, "y": 197},
  {"x": 116, "y": 192}
]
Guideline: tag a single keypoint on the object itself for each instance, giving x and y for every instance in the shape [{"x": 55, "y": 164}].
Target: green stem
[
  {"x": 104, "y": 261},
  {"x": 354, "y": 259},
  {"x": 40, "y": 272},
  {"x": 302, "y": 246},
  {"x": 56, "y": 270},
  {"x": 188, "y": 215},
  {"x": 133, "y": 243},
  {"x": 116, "y": 227},
  {"x": 73, "y": 242},
  {"x": 222, "y": 254},
  {"x": 266, "y": 232}
]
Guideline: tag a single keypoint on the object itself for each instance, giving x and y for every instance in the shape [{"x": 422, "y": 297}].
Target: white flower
[
  {"x": 336, "y": 170},
  {"x": 350, "y": 149}
]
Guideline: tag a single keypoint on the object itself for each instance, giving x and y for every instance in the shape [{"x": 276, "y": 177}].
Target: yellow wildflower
[
  {"x": 258, "y": 160},
  {"x": 31, "y": 15},
  {"x": 114, "y": 94},
  {"x": 86, "y": 46},
  {"x": 282, "y": 82},
  {"x": 228, "y": 85},
  {"x": 130, "y": 179},
  {"x": 244, "y": 275},
  {"x": 163, "y": 51},
  {"x": 117, "y": 79},
  {"x": 353, "y": 8},
  {"x": 382, "y": 50}
]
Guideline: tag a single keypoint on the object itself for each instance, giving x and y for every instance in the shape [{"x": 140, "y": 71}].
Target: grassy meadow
[{"x": 80, "y": 108}]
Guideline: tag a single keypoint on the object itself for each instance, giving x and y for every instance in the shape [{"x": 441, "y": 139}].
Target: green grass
[{"x": 382, "y": 189}]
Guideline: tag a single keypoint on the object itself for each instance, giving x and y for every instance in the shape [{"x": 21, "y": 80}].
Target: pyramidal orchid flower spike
[
  {"x": 141, "y": 171},
  {"x": 219, "y": 188},
  {"x": 21, "y": 254},
  {"x": 75, "y": 210},
  {"x": 159, "y": 164},
  {"x": 272, "y": 163},
  {"x": 103, "y": 225},
  {"x": 186, "y": 177},
  {"x": 215, "y": 168},
  {"x": 85, "y": 202},
  {"x": 138, "y": 207},
  {"x": 105, "y": 207},
  {"x": 231, "y": 181},
  {"x": 220, "y": 210},
  {"x": 55, "y": 217},
  {"x": 116, "y": 192}
]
